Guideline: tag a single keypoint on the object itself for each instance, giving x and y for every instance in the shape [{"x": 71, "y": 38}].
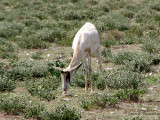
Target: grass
[{"x": 35, "y": 35}]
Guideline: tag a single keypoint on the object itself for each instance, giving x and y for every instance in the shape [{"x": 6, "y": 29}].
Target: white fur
[
  {"x": 86, "y": 41},
  {"x": 86, "y": 38}
]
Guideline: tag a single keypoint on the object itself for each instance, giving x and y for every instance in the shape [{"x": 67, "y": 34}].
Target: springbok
[{"x": 85, "y": 42}]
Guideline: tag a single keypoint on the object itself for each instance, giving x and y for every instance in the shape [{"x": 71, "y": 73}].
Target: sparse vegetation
[
  {"x": 34, "y": 36},
  {"x": 6, "y": 84},
  {"x": 62, "y": 112},
  {"x": 45, "y": 88}
]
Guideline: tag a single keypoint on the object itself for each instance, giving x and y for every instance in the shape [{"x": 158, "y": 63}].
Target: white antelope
[{"x": 85, "y": 42}]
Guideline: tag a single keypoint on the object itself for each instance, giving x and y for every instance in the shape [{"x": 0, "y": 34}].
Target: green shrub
[
  {"x": 6, "y": 50},
  {"x": 93, "y": 102},
  {"x": 37, "y": 55},
  {"x": 86, "y": 104},
  {"x": 45, "y": 87},
  {"x": 33, "y": 110},
  {"x": 46, "y": 34},
  {"x": 13, "y": 105},
  {"x": 32, "y": 42},
  {"x": 111, "y": 100},
  {"x": 122, "y": 57},
  {"x": 136, "y": 31},
  {"x": 79, "y": 79},
  {"x": 3, "y": 68},
  {"x": 129, "y": 94},
  {"x": 128, "y": 14},
  {"x": 6, "y": 84},
  {"x": 96, "y": 101},
  {"x": 62, "y": 112},
  {"x": 114, "y": 5},
  {"x": 108, "y": 43},
  {"x": 156, "y": 6},
  {"x": 151, "y": 45},
  {"x": 27, "y": 69},
  {"x": 138, "y": 61},
  {"x": 155, "y": 60},
  {"x": 130, "y": 39},
  {"x": 113, "y": 21},
  {"x": 19, "y": 105},
  {"x": 57, "y": 63},
  {"x": 106, "y": 53},
  {"x": 100, "y": 84},
  {"x": 8, "y": 29},
  {"x": 144, "y": 16},
  {"x": 124, "y": 78}
]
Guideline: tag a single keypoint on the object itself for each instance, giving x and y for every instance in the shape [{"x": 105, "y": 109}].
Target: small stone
[
  {"x": 82, "y": 111},
  {"x": 112, "y": 112},
  {"x": 151, "y": 88},
  {"x": 156, "y": 108},
  {"x": 75, "y": 95},
  {"x": 108, "y": 68},
  {"x": 48, "y": 55},
  {"x": 143, "y": 109},
  {"x": 67, "y": 99}
]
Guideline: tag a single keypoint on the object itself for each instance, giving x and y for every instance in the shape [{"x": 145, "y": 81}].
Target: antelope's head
[{"x": 66, "y": 76}]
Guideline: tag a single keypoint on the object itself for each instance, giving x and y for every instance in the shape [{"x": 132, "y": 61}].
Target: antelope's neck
[{"x": 77, "y": 57}]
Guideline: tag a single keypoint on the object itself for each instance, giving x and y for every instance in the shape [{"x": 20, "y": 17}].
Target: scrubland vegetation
[{"x": 37, "y": 34}]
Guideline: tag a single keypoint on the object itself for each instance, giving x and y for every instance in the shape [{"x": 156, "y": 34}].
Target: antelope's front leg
[
  {"x": 90, "y": 73},
  {"x": 86, "y": 79}
]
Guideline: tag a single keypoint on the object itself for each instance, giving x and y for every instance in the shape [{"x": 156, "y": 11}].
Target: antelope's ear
[
  {"x": 58, "y": 68},
  {"x": 75, "y": 68}
]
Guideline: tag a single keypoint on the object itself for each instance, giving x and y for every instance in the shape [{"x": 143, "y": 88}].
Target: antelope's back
[{"x": 86, "y": 37}]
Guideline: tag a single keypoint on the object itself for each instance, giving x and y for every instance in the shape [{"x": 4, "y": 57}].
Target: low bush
[
  {"x": 9, "y": 29},
  {"x": 79, "y": 79},
  {"x": 156, "y": 6},
  {"x": 138, "y": 61},
  {"x": 62, "y": 112},
  {"x": 151, "y": 45},
  {"x": 135, "y": 31},
  {"x": 108, "y": 43},
  {"x": 7, "y": 49},
  {"x": 124, "y": 79},
  {"x": 20, "y": 105},
  {"x": 13, "y": 105},
  {"x": 6, "y": 84},
  {"x": 128, "y": 14},
  {"x": 100, "y": 84},
  {"x": 3, "y": 68},
  {"x": 32, "y": 42},
  {"x": 113, "y": 21},
  {"x": 144, "y": 15},
  {"x": 45, "y": 87},
  {"x": 97, "y": 101},
  {"x": 33, "y": 110},
  {"x": 129, "y": 94},
  {"x": 128, "y": 38},
  {"x": 27, "y": 69},
  {"x": 106, "y": 53},
  {"x": 37, "y": 55},
  {"x": 57, "y": 63}
]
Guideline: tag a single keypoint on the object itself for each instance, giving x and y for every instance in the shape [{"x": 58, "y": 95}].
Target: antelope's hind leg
[{"x": 100, "y": 65}]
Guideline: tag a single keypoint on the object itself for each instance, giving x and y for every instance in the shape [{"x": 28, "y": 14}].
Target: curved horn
[
  {"x": 58, "y": 68},
  {"x": 76, "y": 67}
]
